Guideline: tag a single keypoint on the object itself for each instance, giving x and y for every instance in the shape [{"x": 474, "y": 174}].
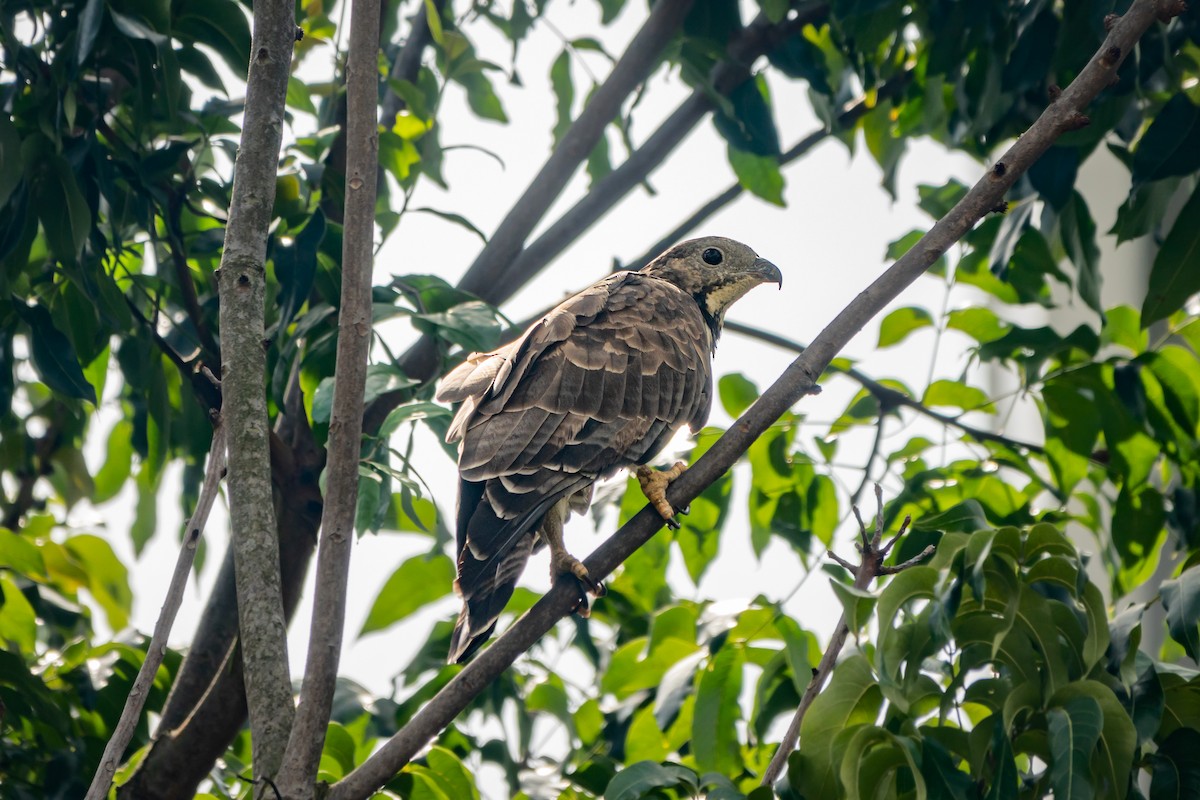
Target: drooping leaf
[
  {"x": 898, "y": 324},
  {"x": 1181, "y": 598},
  {"x": 1171, "y": 145},
  {"x": 714, "y": 726},
  {"x": 1174, "y": 277},
  {"x": 53, "y": 355},
  {"x": 417, "y": 582},
  {"x": 1073, "y": 731}
]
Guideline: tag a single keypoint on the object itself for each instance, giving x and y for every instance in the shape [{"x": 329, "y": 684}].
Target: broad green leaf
[
  {"x": 631, "y": 669},
  {"x": 1073, "y": 731},
  {"x": 898, "y": 324},
  {"x": 296, "y": 269},
  {"x": 957, "y": 395},
  {"x": 1181, "y": 598},
  {"x": 11, "y": 168},
  {"x": 645, "y": 741},
  {"x": 964, "y": 517},
  {"x": 857, "y": 605},
  {"x": 61, "y": 206},
  {"x": 1122, "y": 327},
  {"x": 564, "y": 92},
  {"x": 452, "y": 776},
  {"x": 410, "y": 412},
  {"x": 417, "y": 582},
  {"x": 747, "y": 124},
  {"x": 455, "y": 219},
  {"x": 1113, "y": 758},
  {"x": 1078, "y": 233},
  {"x": 759, "y": 174},
  {"x": 1138, "y": 519},
  {"x": 107, "y": 578},
  {"x": 641, "y": 780},
  {"x": 1171, "y": 145},
  {"x": 18, "y": 620},
  {"x": 20, "y": 555},
  {"x": 219, "y": 24},
  {"x": 980, "y": 323},
  {"x": 53, "y": 355},
  {"x": 715, "y": 742},
  {"x": 852, "y": 698},
  {"x": 873, "y": 757},
  {"x": 737, "y": 393},
  {"x": 1176, "y": 770},
  {"x": 1174, "y": 277}
]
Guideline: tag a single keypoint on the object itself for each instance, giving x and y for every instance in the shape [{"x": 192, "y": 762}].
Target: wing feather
[{"x": 601, "y": 383}]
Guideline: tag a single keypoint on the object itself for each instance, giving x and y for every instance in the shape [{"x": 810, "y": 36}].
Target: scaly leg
[
  {"x": 562, "y": 562},
  {"x": 654, "y": 485}
]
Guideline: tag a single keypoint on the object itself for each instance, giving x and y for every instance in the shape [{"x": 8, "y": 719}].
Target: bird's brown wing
[{"x": 601, "y": 383}]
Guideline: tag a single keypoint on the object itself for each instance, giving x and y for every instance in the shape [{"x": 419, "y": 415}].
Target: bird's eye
[{"x": 712, "y": 256}]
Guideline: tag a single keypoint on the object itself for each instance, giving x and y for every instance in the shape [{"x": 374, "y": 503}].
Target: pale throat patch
[{"x": 724, "y": 296}]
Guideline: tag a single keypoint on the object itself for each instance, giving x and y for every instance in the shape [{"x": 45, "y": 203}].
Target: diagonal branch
[
  {"x": 157, "y": 646},
  {"x": 298, "y": 773},
  {"x": 798, "y": 380}
]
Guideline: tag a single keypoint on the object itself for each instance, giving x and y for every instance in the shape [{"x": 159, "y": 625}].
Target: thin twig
[
  {"x": 298, "y": 773},
  {"x": 875, "y": 447},
  {"x": 888, "y": 397},
  {"x": 870, "y": 566},
  {"x": 157, "y": 648},
  {"x": 798, "y": 380}
]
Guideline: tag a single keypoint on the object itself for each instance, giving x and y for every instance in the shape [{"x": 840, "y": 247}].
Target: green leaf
[
  {"x": 957, "y": 395},
  {"x": 1138, "y": 519},
  {"x": 456, "y": 219},
  {"x": 758, "y": 174},
  {"x": 53, "y": 355},
  {"x": 714, "y": 727},
  {"x": 1079, "y": 239},
  {"x": 936, "y": 201},
  {"x": 898, "y": 324},
  {"x": 1073, "y": 731},
  {"x": 852, "y": 698},
  {"x": 296, "y": 268},
  {"x": 1112, "y": 759},
  {"x": 1144, "y": 209},
  {"x": 1174, "y": 277},
  {"x": 118, "y": 462},
  {"x": 641, "y": 779},
  {"x": 417, "y": 582},
  {"x": 747, "y": 124},
  {"x": 1181, "y": 598},
  {"x": 62, "y": 209},
  {"x": 980, "y": 323},
  {"x": 965, "y": 517},
  {"x": 11, "y": 168},
  {"x": 737, "y": 393},
  {"x": 645, "y": 741},
  {"x": 857, "y": 605},
  {"x": 452, "y": 776},
  {"x": 20, "y": 555},
  {"x": 219, "y": 24},
  {"x": 18, "y": 620},
  {"x": 1171, "y": 145},
  {"x": 1176, "y": 770},
  {"x": 564, "y": 92},
  {"x": 107, "y": 578}
]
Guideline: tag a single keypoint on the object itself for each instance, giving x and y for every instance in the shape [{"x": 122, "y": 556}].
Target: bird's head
[{"x": 715, "y": 271}]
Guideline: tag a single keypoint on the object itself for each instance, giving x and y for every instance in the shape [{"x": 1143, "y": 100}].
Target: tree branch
[
  {"x": 888, "y": 397},
  {"x": 242, "y": 283},
  {"x": 870, "y": 566},
  {"x": 796, "y": 381},
  {"x": 157, "y": 647},
  {"x": 299, "y": 769}
]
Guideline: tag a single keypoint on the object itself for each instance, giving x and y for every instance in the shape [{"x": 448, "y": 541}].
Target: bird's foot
[
  {"x": 654, "y": 485},
  {"x": 563, "y": 563}
]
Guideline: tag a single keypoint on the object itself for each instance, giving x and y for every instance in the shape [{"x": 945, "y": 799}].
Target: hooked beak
[{"x": 769, "y": 272}]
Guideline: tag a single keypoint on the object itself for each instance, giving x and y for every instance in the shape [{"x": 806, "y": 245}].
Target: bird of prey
[{"x": 600, "y": 383}]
